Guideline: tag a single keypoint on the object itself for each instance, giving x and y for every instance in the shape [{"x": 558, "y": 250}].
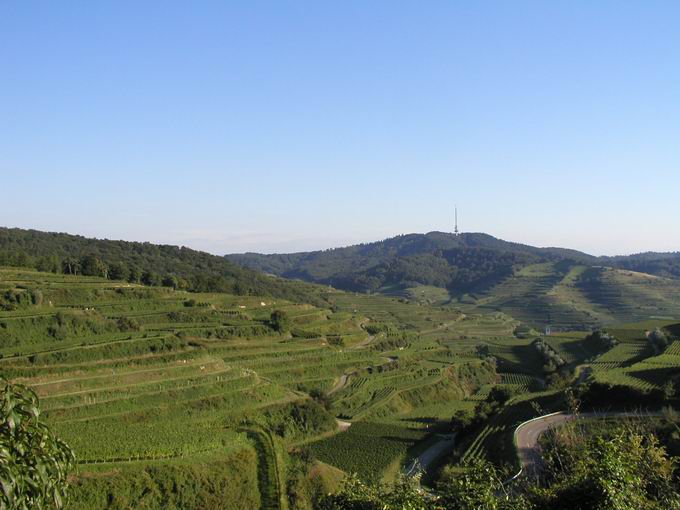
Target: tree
[
  {"x": 501, "y": 394},
  {"x": 622, "y": 469},
  {"x": 279, "y": 321},
  {"x": 49, "y": 264},
  {"x": 150, "y": 278},
  {"x": 70, "y": 265},
  {"x": 356, "y": 495},
  {"x": 91, "y": 265},
  {"x": 657, "y": 340},
  {"x": 171, "y": 281},
  {"x": 461, "y": 420},
  {"x": 135, "y": 275},
  {"x": 34, "y": 463},
  {"x": 119, "y": 271}
]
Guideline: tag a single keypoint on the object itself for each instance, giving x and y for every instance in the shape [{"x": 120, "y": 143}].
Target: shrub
[{"x": 34, "y": 463}]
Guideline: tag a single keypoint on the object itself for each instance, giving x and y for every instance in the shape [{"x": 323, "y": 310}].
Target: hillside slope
[
  {"x": 457, "y": 262},
  {"x": 555, "y": 286},
  {"x": 152, "y": 264},
  {"x": 568, "y": 295}
]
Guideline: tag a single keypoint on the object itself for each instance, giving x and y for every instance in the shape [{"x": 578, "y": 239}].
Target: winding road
[{"x": 527, "y": 436}]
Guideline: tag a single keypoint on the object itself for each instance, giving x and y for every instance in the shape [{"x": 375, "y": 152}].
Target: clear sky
[{"x": 287, "y": 125}]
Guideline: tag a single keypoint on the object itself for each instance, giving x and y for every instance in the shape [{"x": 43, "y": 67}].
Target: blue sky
[{"x": 282, "y": 126}]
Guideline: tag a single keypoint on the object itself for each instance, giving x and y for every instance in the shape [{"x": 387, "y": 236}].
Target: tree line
[{"x": 146, "y": 263}]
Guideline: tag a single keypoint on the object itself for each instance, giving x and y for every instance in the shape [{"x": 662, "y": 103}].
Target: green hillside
[
  {"x": 457, "y": 262},
  {"x": 570, "y": 296},
  {"x": 154, "y": 386},
  {"x": 166, "y": 394},
  {"x": 541, "y": 286},
  {"x": 156, "y": 265}
]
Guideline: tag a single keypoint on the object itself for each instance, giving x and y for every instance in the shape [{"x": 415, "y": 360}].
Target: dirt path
[
  {"x": 343, "y": 425},
  {"x": 364, "y": 343},
  {"x": 341, "y": 383},
  {"x": 344, "y": 378}
]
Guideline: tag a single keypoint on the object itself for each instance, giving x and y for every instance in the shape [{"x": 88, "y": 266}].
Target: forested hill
[
  {"x": 147, "y": 263},
  {"x": 658, "y": 264},
  {"x": 462, "y": 263}
]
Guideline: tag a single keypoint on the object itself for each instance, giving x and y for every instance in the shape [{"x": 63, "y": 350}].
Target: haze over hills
[{"x": 540, "y": 285}]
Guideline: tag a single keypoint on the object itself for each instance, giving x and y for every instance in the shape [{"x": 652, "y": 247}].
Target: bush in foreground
[
  {"x": 621, "y": 469},
  {"x": 34, "y": 463}
]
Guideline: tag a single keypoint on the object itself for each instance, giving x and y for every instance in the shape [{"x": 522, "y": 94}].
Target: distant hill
[
  {"x": 566, "y": 294},
  {"x": 459, "y": 263},
  {"x": 152, "y": 264},
  {"x": 539, "y": 285}
]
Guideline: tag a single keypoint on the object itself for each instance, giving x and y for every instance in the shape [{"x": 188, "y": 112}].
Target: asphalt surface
[
  {"x": 422, "y": 463},
  {"x": 528, "y": 434}
]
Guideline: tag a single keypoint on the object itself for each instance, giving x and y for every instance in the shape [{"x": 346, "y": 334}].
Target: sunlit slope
[
  {"x": 123, "y": 371},
  {"x": 145, "y": 381},
  {"x": 571, "y": 295}
]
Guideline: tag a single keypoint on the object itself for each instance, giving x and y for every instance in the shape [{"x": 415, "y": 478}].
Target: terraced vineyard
[
  {"x": 135, "y": 377},
  {"x": 132, "y": 375},
  {"x": 571, "y": 296},
  {"x": 149, "y": 383}
]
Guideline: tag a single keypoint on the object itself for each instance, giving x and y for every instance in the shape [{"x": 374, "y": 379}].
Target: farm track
[
  {"x": 269, "y": 473},
  {"x": 152, "y": 393},
  {"x": 196, "y": 377},
  {"x": 340, "y": 384},
  {"x": 189, "y": 363},
  {"x": 344, "y": 378}
]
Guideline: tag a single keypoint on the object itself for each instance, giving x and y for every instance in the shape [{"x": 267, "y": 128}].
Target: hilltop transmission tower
[{"x": 455, "y": 214}]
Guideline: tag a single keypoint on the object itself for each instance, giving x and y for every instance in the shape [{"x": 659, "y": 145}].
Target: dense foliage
[
  {"x": 150, "y": 264},
  {"x": 660, "y": 264},
  {"x": 34, "y": 463},
  {"x": 600, "y": 341},
  {"x": 460, "y": 263},
  {"x": 551, "y": 359}
]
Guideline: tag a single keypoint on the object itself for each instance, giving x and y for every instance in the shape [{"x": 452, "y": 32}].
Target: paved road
[
  {"x": 423, "y": 462},
  {"x": 528, "y": 434},
  {"x": 526, "y": 438}
]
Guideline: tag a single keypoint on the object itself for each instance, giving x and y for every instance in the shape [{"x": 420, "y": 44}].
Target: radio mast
[{"x": 455, "y": 213}]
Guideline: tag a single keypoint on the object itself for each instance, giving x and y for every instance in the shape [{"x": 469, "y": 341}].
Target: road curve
[
  {"x": 526, "y": 440},
  {"x": 423, "y": 462},
  {"x": 528, "y": 434}
]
